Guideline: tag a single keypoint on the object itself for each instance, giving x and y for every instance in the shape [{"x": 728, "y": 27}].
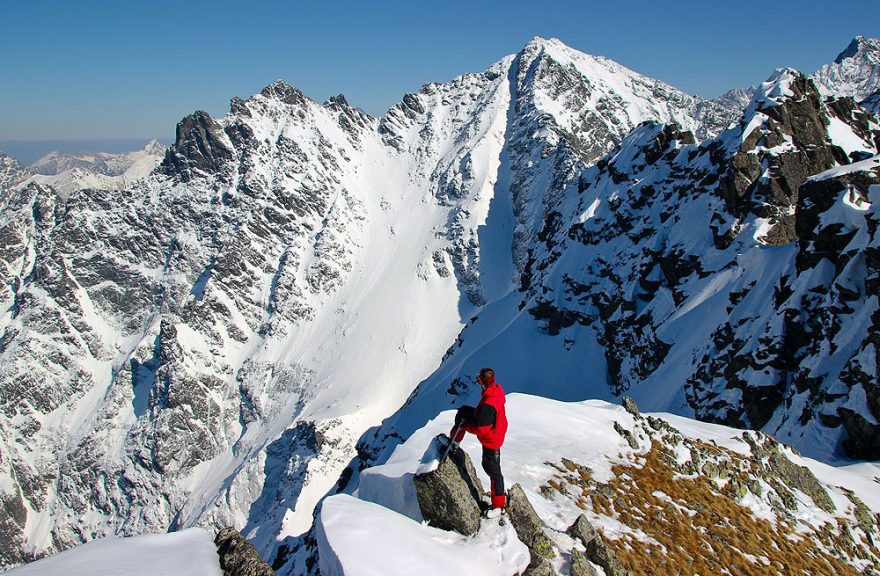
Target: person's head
[{"x": 486, "y": 377}]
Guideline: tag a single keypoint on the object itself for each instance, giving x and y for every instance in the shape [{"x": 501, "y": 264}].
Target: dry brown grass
[{"x": 719, "y": 536}]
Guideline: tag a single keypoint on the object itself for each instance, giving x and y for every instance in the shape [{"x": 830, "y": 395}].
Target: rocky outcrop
[
  {"x": 449, "y": 496},
  {"x": 201, "y": 148},
  {"x": 597, "y": 551},
  {"x": 774, "y": 160},
  {"x": 238, "y": 557},
  {"x": 531, "y": 531}
]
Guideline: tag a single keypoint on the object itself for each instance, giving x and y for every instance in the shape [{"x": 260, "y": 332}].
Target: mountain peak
[
  {"x": 776, "y": 89},
  {"x": 541, "y": 42},
  {"x": 854, "y": 73},
  {"x": 553, "y": 47},
  {"x": 870, "y": 47},
  {"x": 281, "y": 90}
]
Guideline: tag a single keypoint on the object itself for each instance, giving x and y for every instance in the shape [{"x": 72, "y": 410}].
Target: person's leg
[{"x": 492, "y": 466}]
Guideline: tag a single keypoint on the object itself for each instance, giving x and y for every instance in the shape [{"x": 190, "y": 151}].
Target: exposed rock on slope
[
  {"x": 238, "y": 557},
  {"x": 449, "y": 496}
]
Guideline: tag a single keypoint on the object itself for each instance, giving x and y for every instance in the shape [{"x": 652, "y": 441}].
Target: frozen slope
[
  {"x": 187, "y": 553},
  {"x": 552, "y": 447}
]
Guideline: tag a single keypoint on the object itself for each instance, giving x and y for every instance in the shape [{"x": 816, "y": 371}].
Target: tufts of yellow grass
[{"x": 693, "y": 525}]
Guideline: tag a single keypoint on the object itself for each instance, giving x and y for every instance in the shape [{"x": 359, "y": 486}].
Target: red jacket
[{"x": 491, "y": 434}]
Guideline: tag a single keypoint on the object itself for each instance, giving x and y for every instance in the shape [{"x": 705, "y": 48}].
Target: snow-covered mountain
[
  {"x": 11, "y": 172},
  {"x": 217, "y": 343},
  {"x": 67, "y": 172},
  {"x": 854, "y": 73}
]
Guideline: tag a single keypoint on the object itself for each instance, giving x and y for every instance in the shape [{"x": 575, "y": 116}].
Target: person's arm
[{"x": 484, "y": 415}]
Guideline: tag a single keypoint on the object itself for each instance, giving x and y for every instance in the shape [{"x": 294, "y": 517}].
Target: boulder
[
  {"x": 530, "y": 530},
  {"x": 597, "y": 551},
  {"x": 630, "y": 405},
  {"x": 449, "y": 495},
  {"x": 238, "y": 557},
  {"x": 580, "y": 565}
]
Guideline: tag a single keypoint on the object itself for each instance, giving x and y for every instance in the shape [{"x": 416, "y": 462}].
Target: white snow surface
[
  {"x": 359, "y": 538},
  {"x": 188, "y": 553},
  {"x": 379, "y": 530},
  {"x": 854, "y": 73}
]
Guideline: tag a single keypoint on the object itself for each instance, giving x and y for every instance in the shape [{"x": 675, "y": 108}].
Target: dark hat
[{"x": 486, "y": 377}]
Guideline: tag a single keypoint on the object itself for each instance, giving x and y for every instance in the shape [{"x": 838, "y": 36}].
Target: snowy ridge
[
  {"x": 596, "y": 459},
  {"x": 708, "y": 301},
  {"x": 185, "y": 553}
]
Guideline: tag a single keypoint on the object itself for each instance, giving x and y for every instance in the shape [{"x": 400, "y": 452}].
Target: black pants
[{"x": 492, "y": 466}]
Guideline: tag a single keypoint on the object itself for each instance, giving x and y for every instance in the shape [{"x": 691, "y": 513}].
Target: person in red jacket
[{"x": 488, "y": 421}]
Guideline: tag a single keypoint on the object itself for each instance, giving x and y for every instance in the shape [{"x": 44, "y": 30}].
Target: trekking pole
[{"x": 451, "y": 442}]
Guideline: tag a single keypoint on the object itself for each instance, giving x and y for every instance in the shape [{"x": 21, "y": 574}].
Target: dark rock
[
  {"x": 600, "y": 554},
  {"x": 863, "y": 440},
  {"x": 448, "y": 496},
  {"x": 793, "y": 476},
  {"x": 801, "y": 119},
  {"x": 281, "y": 90},
  {"x": 581, "y": 528},
  {"x": 627, "y": 435},
  {"x": 530, "y": 529},
  {"x": 630, "y": 405},
  {"x": 200, "y": 148},
  {"x": 542, "y": 568},
  {"x": 580, "y": 564},
  {"x": 238, "y": 557},
  {"x": 597, "y": 551}
]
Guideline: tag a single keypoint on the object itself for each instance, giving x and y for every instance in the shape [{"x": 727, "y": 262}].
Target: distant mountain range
[
  {"x": 298, "y": 287},
  {"x": 67, "y": 172}
]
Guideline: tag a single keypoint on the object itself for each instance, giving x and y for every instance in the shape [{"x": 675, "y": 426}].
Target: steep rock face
[
  {"x": 830, "y": 234},
  {"x": 200, "y": 148},
  {"x": 787, "y": 135},
  {"x": 786, "y": 144}
]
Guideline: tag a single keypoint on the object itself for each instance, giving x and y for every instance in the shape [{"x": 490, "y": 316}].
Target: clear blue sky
[{"x": 131, "y": 69}]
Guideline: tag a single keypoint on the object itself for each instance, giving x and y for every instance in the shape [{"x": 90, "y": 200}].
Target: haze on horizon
[{"x": 100, "y": 70}]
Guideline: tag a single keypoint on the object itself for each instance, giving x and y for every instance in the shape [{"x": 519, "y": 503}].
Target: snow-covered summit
[
  {"x": 774, "y": 90},
  {"x": 854, "y": 73}
]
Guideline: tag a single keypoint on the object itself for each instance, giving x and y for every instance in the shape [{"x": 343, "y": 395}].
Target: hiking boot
[{"x": 494, "y": 513}]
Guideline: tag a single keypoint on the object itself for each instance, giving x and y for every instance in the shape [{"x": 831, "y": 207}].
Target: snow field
[{"x": 188, "y": 553}]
